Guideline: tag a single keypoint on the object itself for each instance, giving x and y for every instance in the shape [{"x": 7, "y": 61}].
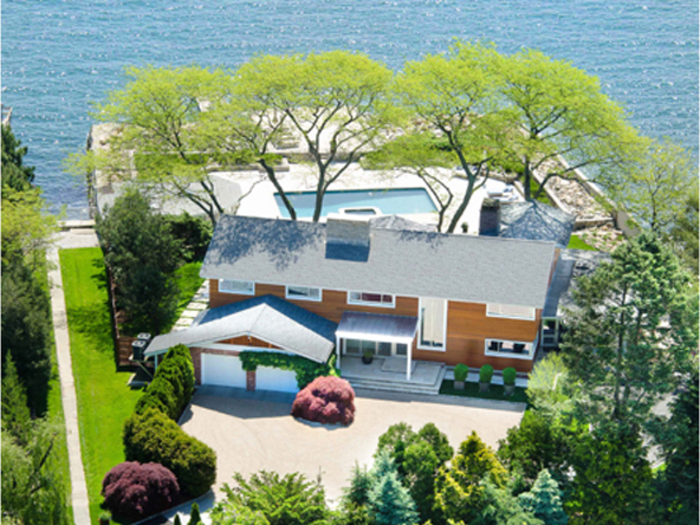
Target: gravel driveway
[{"x": 251, "y": 431}]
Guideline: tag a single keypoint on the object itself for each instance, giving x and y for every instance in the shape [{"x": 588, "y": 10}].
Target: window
[
  {"x": 433, "y": 321},
  {"x": 509, "y": 348},
  {"x": 374, "y": 299},
  {"x": 510, "y": 310},
  {"x": 241, "y": 287},
  {"x": 304, "y": 293}
]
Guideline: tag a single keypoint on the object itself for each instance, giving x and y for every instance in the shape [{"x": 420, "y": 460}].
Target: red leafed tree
[
  {"x": 326, "y": 400},
  {"x": 133, "y": 490}
]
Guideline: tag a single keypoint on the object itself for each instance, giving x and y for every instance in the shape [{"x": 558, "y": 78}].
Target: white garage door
[
  {"x": 267, "y": 378},
  {"x": 222, "y": 370}
]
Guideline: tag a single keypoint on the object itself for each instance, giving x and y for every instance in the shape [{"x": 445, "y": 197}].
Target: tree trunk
[
  {"x": 527, "y": 177},
  {"x": 273, "y": 178}
]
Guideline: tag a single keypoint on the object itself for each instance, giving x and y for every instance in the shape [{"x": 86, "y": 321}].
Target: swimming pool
[{"x": 387, "y": 200}]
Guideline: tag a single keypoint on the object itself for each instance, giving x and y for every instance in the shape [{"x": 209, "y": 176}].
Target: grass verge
[
  {"x": 188, "y": 282},
  {"x": 104, "y": 399},
  {"x": 472, "y": 390},
  {"x": 577, "y": 243}
]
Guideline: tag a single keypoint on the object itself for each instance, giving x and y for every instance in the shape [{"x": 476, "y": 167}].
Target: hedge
[
  {"x": 305, "y": 369},
  {"x": 173, "y": 384},
  {"x": 153, "y": 437}
]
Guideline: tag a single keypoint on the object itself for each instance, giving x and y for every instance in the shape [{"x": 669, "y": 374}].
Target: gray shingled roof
[
  {"x": 536, "y": 221},
  {"x": 570, "y": 265},
  {"x": 410, "y": 263},
  {"x": 377, "y": 327},
  {"x": 269, "y": 318}
]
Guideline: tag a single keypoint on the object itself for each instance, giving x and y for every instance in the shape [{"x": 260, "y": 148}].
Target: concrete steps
[{"x": 395, "y": 385}]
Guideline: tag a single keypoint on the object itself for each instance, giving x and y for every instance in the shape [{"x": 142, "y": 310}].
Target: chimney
[
  {"x": 347, "y": 237},
  {"x": 490, "y": 218}
]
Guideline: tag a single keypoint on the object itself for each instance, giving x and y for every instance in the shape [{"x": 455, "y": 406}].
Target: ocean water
[{"x": 59, "y": 57}]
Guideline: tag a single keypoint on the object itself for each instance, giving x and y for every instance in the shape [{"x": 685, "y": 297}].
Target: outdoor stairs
[{"x": 428, "y": 384}]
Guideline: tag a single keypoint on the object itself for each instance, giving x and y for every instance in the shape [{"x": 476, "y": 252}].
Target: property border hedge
[{"x": 305, "y": 369}]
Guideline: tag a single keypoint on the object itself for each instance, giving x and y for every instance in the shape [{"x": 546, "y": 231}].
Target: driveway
[{"x": 251, "y": 431}]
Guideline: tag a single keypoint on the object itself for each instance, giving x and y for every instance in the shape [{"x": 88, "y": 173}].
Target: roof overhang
[{"x": 377, "y": 327}]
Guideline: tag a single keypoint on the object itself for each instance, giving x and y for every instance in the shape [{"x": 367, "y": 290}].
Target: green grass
[
  {"x": 104, "y": 399},
  {"x": 472, "y": 390},
  {"x": 576, "y": 243},
  {"x": 543, "y": 198},
  {"x": 188, "y": 282}
]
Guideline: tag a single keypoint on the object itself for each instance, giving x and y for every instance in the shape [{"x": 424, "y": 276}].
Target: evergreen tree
[
  {"x": 195, "y": 518},
  {"x": 177, "y": 520},
  {"x": 545, "y": 500},
  {"x": 142, "y": 255},
  {"x": 15, "y": 412},
  {"x": 679, "y": 480},
  {"x": 15, "y": 174},
  {"x": 500, "y": 507},
  {"x": 390, "y": 502},
  {"x": 459, "y": 491}
]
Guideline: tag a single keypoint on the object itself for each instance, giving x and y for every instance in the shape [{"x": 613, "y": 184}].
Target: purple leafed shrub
[
  {"x": 326, "y": 400},
  {"x": 133, "y": 490}
]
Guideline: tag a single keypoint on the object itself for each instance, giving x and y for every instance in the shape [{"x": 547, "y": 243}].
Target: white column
[
  {"x": 337, "y": 350},
  {"x": 409, "y": 353}
]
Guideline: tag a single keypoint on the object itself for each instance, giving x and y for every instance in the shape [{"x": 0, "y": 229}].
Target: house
[{"x": 417, "y": 300}]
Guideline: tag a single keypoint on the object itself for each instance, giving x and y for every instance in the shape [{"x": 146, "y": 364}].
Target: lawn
[
  {"x": 576, "y": 243},
  {"x": 472, "y": 390},
  {"x": 188, "y": 282},
  {"x": 104, "y": 399}
]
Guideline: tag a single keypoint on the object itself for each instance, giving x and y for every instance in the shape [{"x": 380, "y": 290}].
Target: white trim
[
  {"x": 237, "y": 292},
  {"x": 370, "y": 303},
  {"x": 528, "y": 357},
  {"x": 373, "y": 337},
  {"x": 301, "y": 297},
  {"x": 444, "y": 327},
  {"x": 505, "y": 316}
]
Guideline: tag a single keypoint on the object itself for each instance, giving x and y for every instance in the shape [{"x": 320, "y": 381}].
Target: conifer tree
[
  {"x": 15, "y": 413},
  {"x": 545, "y": 500},
  {"x": 390, "y": 502}
]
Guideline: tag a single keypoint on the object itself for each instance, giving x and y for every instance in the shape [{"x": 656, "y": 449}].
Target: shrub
[
  {"x": 192, "y": 233},
  {"x": 326, "y": 400},
  {"x": 485, "y": 374},
  {"x": 172, "y": 386},
  {"x": 509, "y": 375},
  {"x": 134, "y": 491},
  {"x": 195, "y": 518},
  {"x": 461, "y": 372},
  {"x": 153, "y": 437},
  {"x": 305, "y": 369}
]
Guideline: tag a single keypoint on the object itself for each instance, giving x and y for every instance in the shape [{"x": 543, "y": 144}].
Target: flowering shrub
[
  {"x": 133, "y": 490},
  {"x": 326, "y": 400}
]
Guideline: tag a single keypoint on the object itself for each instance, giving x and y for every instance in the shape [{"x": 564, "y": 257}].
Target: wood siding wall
[{"x": 468, "y": 326}]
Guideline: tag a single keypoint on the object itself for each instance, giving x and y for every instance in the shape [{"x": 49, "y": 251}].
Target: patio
[{"x": 389, "y": 373}]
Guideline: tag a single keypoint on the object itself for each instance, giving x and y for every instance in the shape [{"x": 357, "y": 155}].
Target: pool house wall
[{"x": 468, "y": 326}]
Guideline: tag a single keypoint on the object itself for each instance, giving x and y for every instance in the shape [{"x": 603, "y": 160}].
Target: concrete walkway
[{"x": 82, "y": 238}]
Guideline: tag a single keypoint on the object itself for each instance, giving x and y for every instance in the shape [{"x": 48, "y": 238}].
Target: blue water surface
[
  {"x": 58, "y": 57},
  {"x": 388, "y": 201}
]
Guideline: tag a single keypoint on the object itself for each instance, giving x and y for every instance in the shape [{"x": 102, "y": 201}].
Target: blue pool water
[
  {"x": 389, "y": 201},
  {"x": 60, "y": 56}
]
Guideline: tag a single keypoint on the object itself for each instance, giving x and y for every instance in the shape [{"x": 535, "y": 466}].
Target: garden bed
[{"x": 495, "y": 392}]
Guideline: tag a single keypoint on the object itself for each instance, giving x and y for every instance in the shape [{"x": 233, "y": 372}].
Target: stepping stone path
[{"x": 198, "y": 304}]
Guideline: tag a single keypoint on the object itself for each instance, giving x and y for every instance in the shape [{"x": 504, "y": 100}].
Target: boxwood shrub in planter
[
  {"x": 461, "y": 373},
  {"x": 485, "y": 375},
  {"x": 509, "y": 375}
]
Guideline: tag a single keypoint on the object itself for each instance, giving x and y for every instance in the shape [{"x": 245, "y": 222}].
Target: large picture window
[
  {"x": 304, "y": 293},
  {"x": 234, "y": 286},
  {"x": 511, "y": 311},
  {"x": 433, "y": 322},
  {"x": 497, "y": 347},
  {"x": 371, "y": 298}
]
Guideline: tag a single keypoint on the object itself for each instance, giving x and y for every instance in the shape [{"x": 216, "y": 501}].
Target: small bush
[
  {"x": 153, "y": 437},
  {"x": 461, "y": 372},
  {"x": 134, "y": 491},
  {"x": 326, "y": 400},
  {"x": 485, "y": 374},
  {"x": 192, "y": 233},
  {"x": 509, "y": 375}
]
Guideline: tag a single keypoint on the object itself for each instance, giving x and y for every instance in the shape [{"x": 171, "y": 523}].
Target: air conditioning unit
[{"x": 138, "y": 347}]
